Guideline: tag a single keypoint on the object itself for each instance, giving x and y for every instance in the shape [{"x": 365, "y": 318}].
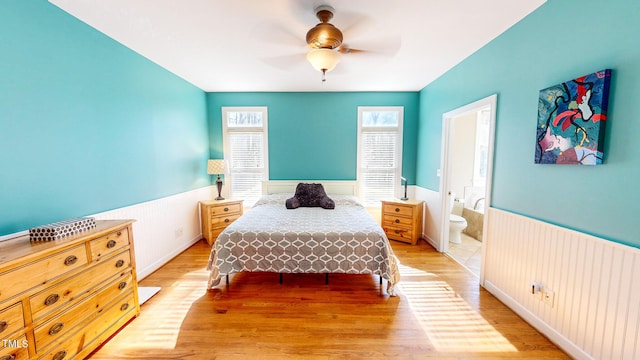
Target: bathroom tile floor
[{"x": 468, "y": 253}]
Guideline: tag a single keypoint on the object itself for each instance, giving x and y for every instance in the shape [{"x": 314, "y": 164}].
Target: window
[
  {"x": 245, "y": 151},
  {"x": 379, "y": 153}
]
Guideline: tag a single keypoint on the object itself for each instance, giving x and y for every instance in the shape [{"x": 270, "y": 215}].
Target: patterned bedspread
[{"x": 271, "y": 238}]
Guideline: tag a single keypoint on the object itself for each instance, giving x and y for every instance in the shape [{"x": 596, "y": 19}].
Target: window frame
[
  {"x": 226, "y": 130},
  {"x": 399, "y": 129}
]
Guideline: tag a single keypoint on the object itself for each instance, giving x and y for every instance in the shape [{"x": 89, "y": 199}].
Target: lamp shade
[
  {"x": 215, "y": 167},
  {"x": 323, "y": 59}
]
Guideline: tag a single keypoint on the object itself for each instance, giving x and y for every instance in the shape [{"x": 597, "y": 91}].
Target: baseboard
[
  {"x": 430, "y": 241},
  {"x": 554, "y": 336},
  {"x": 147, "y": 292},
  {"x": 149, "y": 269}
]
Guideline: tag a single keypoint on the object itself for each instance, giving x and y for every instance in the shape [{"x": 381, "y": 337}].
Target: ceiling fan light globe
[{"x": 323, "y": 59}]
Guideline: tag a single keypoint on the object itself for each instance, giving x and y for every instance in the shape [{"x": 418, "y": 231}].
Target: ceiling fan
[
  {"x": 325, "y": 40},
  {"x": 326, "y": 44}
]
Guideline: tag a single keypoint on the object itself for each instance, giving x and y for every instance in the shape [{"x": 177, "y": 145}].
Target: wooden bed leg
[
  {"x": 380, "y": 279},
  {"x": 227, "y": 277},
  {"x": 326, "y": 279},
  {"x": 280, "y": 278}
]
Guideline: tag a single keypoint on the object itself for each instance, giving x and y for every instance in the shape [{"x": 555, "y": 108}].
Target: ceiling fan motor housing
[{"x": 324, "y": 35}]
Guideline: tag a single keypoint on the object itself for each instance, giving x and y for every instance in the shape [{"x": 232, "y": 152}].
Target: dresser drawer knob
[
  {"x": 226, "y": 220},
  {"x": 119, "y": 263},
  {"x": 397, "y": 221},
  {"x": 119, "y": 233},
  {"x": 70, "y": 260},
  {"x": 51, "y": 299},
  {"x": 59, "y": 355},
  {"x": 3, "y": 325},
  {"x": 122, "y": 285},
  {"x": 111, "y": 243},
  {"x": 226, "y": 209},
  {"x": 8, "y": 357},
  {"x": 124, "y": 306},
  {"x": 397, "y": 209},
  {"x": 55, "y": 328}
]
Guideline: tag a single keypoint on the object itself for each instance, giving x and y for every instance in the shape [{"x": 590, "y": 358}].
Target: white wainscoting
[
  {"x": 596, "y": 284},
  {"x": 431, "y": 215},
  {"x": 164, "y": 227}
]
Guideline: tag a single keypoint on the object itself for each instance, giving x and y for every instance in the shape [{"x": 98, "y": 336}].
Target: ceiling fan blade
[
  {"x": 271, "y": 34},
  {"x": 355, "y": 26},
  {"x": 386, "y": 47},
  {"x": 285, "y": 62}
]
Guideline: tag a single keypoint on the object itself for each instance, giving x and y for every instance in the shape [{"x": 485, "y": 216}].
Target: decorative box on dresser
[
  {"x": 217, "y": 215},
  {"x": 62, "y": 299},
  {"x": 402, "y": 220}
]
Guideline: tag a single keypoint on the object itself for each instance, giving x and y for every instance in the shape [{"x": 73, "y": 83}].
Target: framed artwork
[{"x": 571, "y": 120}]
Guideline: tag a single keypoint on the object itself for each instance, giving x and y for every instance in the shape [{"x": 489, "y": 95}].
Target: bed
[{"x": 272, "y": 238}]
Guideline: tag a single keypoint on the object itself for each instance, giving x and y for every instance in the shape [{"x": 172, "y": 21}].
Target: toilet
[{"x": 456, "y": 223}]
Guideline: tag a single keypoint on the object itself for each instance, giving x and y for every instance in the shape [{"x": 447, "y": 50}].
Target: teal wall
[
  {"x": 314, "y": 135},
  {"x": 87, "y": 125},
  {"x": 560, "y": 41}
]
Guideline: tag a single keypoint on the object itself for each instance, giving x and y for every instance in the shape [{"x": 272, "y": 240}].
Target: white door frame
[{"x": 445, "y": 169}]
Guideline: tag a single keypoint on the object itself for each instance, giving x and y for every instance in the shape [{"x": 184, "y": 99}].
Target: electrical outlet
[{"x": 548, "y": 296}]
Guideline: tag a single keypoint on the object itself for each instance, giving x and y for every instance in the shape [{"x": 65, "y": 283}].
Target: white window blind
[
  {"x": 245, "y": 151},
  {"x": 379, "y": 153}
]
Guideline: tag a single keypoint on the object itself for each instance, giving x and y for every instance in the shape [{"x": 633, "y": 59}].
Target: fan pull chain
[{"x": 324, "y": 72}]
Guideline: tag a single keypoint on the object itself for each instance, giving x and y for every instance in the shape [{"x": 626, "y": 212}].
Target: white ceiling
[{"x": 259, "y": 45}]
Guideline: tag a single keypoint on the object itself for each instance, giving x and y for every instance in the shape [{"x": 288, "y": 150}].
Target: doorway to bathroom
[{"x": 465, "y": 181}]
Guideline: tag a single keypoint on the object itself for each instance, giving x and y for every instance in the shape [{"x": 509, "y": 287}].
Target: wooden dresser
[
  {"x": 62, "y": 299},
  {"x": 402, "y": 220},
  {"x": 217, "y": 215}
]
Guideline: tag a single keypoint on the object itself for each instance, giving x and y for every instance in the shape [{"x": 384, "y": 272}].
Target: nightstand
[
  {"x": 402, "y": 220},
  {"x": 217, "y": 215}
]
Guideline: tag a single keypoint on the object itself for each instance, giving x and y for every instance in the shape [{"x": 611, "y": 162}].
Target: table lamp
[
  {"x": 404, "y": 181},
  {"x": 216, "y": 167}
]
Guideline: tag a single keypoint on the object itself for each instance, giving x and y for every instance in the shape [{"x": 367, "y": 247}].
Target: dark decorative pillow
[{"x": 310, "y": 195}]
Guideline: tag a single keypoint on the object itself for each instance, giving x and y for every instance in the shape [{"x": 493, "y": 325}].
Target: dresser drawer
[
  {"x": 112, "y": 318},
  {"x": 399, "y": 210},
  {"x": 75, "y": 288},
  {"x": 14, "y": 348},
  {"x": 226, "y": 209},
  {"x": 111, "y": 243},
  {"x": 11, "y": 320},
  {"x": 65, "y": 322},
  {"x": 42, "y": 271}
]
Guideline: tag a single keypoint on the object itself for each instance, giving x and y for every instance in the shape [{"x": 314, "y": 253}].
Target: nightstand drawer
[
  {"x": 404, "y": 235},
  {"x": 397, "y": 221},
  {"x": 223, "y": 221},
  {"x": 225, "y": 209},
  {"x": 399, "y": 210}
]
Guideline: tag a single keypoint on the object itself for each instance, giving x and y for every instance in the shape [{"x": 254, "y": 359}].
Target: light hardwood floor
[{"x": 440, "y": 312}]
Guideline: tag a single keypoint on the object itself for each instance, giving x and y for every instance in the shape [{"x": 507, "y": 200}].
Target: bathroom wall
[{"x": 463, "y": 153}]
